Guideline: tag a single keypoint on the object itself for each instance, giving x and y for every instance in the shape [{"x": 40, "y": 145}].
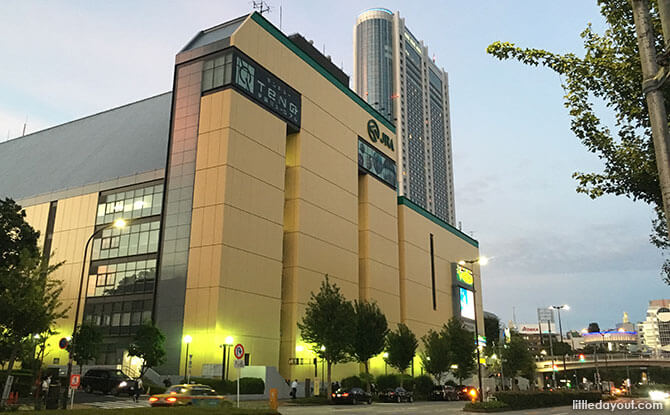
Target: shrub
[
  {"x": 407, "y": 382},
  {"x": 251, "y": 386},
  {"x": 490, "y": 406},
  {"x": 388, "y": 381},
  {"x": 423, "y": 386},
  {"x": 541, "y": 399},
  {"x": 351, "y": 382}
]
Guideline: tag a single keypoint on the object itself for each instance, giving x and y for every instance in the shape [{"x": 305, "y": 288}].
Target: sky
[{"x": 513, "y": 151}]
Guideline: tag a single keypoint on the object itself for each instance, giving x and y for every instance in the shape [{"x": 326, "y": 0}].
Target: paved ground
[{"x": 421, "y": 408}]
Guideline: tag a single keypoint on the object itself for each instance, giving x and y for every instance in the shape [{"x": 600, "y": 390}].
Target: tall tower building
[{"x": 395, "y": 74}]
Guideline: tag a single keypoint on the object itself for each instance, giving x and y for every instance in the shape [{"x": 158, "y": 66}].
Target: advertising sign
[
  {"x": 266, "y": 89},
  {"x": 464, "y": 275},
  {"x": 377, "y": 164},
  {"x": 467, "y": 303},
  {"x": 545, "y": 314}
]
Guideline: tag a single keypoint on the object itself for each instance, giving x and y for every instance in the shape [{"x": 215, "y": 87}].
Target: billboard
[
  {"x": 464, "y": 275},
  {"x": 467, "y": 299},
  {"x": 534, "y": 328}
]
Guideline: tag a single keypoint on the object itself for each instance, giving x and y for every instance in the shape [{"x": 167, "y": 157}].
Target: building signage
[
  {"x": 376, "y": 163},
  {"x": 464, "y": 275},
  {"x": 467, "y": 303},
  {"x": 266, "y": 89},
  {"x": 374, "y": 134}
]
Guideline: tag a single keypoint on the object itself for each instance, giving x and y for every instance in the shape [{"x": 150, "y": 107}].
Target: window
[
  {"x": 130, "y": 203},
  {"x": 217, "y": 72}
]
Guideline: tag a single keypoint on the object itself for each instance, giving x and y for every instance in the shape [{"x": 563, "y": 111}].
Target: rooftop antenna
[
  {"x": 261, "y": 6},
  {"x": 280, "y": 17},
  {"x": 24, "y": 126}
]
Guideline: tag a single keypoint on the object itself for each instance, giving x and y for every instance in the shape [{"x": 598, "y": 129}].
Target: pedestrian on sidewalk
[
  {"x": 294, "y": 389},
  {"x": 138, "y": 390}
]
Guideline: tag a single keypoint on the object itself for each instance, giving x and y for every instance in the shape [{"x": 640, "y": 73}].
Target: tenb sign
[{"x": 266, "y": 89}]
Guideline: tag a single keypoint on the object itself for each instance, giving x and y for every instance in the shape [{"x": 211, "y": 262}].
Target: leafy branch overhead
[{"x": 609, "y": 73}]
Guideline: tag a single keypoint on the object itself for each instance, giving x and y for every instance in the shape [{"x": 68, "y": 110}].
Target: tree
[
  {"x": 593, "y": 328},
  {"x": 369, "y": 331},
  {"x": 492, "y": 332},
  {"x": 401, "y": 347},
  {"x": 32, "y": 305},
  {"x": 16, "y": 237},
  {"x": 328, "y": 325},
  {"x": 517, "y": 358},
  {"x": 461, "y": 343},
  {"x": 85, "y": 344},
  {"x": 436, "y": 357},
  {"x": 562, "y": 349},
  {"x": 149, "y": 345},
  {"x": 609, "y": 73}
]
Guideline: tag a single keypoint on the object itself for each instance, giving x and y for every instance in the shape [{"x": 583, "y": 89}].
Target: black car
[
  {"x": 398, "y": 394},
  {"x": 444, "y": 393},
  {"x": 108, "y": 381},
  {"x": 352, "y": 396}
]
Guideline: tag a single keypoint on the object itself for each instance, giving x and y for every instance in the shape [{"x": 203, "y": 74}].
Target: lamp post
[
  {"x": 119, "y": 224},
  {"x": 481, "y": 261},
  {"x": 187, "y": 339},
  {"x": 558, "y": 308},
  {"x": 224, "y": 359},
  {"x": 385, "y": 356}
]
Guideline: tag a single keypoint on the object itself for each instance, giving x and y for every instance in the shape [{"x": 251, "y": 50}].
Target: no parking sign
[{"x": 238, "y": 351}]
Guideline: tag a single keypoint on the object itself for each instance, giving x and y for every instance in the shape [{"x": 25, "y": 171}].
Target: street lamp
[
  {"x": 482, "y": 260},
  {"x": 224, "y": 358},
  {"x": 187, "y": 339},
  {"x": 558, "y": 308},
  {"x": 119, "y": 224},
  {"x": 386, "y": 356}
]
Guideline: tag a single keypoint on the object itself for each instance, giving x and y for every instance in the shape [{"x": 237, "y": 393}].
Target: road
[{"x": 426, "y": 408}]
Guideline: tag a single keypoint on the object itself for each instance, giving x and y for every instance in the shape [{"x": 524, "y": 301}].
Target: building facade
[
  {"x": 394, "y": 73},
  {"x": 259, "y": 174},
  {"x": 654, "y": 331}
]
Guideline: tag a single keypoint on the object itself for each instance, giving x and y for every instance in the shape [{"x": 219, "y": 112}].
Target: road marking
[{"x": 119, "y": 404}]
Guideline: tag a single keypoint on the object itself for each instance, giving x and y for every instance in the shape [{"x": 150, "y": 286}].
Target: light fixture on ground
[
  {"x": 385, "y": 355},
  {"x": 482, "y": 260},
  {"x": 224, "y": 358},
  {"x": 187, "y": 339},
  {"x": 119, "y": 224}
]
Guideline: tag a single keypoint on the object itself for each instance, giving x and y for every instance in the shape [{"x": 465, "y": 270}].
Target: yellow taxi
[{"x": 191, "y": 394}]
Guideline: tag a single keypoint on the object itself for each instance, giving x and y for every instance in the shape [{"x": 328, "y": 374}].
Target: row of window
[
  {"x": 130, "y": 204},
  {"x": 123, "y": 278},
  {"x": 134, "y": 239}
]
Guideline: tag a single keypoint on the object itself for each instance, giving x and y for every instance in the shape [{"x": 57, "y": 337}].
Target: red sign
[
  {"x": 239, "y": 351},
  {"x": 75, "y": 380}
]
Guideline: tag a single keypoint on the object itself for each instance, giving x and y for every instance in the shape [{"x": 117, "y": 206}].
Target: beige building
[{"x": 259, "y": 174}]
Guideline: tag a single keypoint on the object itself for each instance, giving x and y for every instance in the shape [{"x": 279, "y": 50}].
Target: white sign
[
  {"x": 545, "y": 314},
  {"x": 239, "y": 363},
  {"x": 534, "y": 328}
]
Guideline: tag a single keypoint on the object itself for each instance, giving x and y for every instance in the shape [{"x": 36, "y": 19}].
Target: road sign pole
[{"x": 238, "y": 387}]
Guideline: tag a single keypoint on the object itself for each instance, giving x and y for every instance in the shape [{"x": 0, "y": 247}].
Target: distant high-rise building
[
  {"x": 654, "y": 332},
  {"x": 395, "y": 74}
]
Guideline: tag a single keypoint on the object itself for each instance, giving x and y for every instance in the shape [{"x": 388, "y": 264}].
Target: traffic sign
[
  {"x": 239, "y": 363},
  {"x": 239, "y": 351},
  {"x": 75, "y": 381},
  {"x": 63, "y": 343}
]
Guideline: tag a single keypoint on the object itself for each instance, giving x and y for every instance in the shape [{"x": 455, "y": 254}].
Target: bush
[
  {"x": 407, "y": 382},
  {"x": 490, "y": 406},
  {"x": 351, "y": 382},
  {"x": 541, "y": 399},
  {"x": 23, "y": 382},
  {"x": 423, "y": 386},
  {"x": 388, "y": 382},
  {"x": 251, "y": 386}
]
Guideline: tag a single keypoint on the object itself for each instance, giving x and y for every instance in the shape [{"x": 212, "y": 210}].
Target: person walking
[
  {"x": 138, "y": 390},
  {"x": 294, "y": 389}
]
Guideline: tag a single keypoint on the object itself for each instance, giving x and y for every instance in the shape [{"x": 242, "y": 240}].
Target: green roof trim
[
  {"x": 270, "y": 28},
  {"x": 423, "y": 212}
]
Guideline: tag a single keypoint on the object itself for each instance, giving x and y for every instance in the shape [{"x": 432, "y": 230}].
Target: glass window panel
[
  {"x": 125, "y": 319},
  {"x": 136, "y": 319},
  {"x": 146, "y": 316},
  {"x": 207, "y": 79},
  {"x": 116, "y": 319},
  {"x": 218, "y": 77},
  {"x": 145, "y": 227}
]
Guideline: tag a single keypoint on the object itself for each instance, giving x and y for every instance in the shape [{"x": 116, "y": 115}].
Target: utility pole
[{"x": 653, "y": 80}]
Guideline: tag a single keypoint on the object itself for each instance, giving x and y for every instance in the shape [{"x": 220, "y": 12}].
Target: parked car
[
  {"x": 108, "y": 381},
  {"x": 467, "y": 393},
  {"x": 352, "y": 396},
  {"x": 398, "y": 394},
  {"x": 444, "y": 393},
  {"x": 191, "y": 394}
]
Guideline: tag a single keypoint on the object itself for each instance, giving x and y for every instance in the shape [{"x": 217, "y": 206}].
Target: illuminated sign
[
  {"x": 464, "y": 275},
  {"x": 266, "y": 89},
  {"x": 467, "y": 303},
  {"x": 374, "y": 134}
]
